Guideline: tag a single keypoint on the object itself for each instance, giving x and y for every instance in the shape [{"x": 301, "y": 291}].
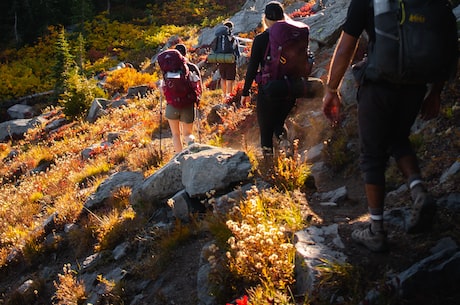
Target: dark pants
[
  {"x": 271, "y": 114},
  {"x": 386, "y": 114}
]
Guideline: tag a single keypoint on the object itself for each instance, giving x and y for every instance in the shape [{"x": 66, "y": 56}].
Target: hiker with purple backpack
[{"x": 275, "y": 73}]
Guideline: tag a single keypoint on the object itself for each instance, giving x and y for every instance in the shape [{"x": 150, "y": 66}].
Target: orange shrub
[
  {"x": 120, "y": 80},
  {"x": 304, "y": 11}
]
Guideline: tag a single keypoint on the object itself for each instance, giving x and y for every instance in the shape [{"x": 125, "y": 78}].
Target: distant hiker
[
  {"x": 226, "y": 44},
  {"x": 274, "y": 107},
  {"x": 182, "y": 89},
  {"x": 389, "y": 101}
]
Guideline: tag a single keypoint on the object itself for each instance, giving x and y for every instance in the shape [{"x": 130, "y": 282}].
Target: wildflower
[
  {"x": 242, "y": 301},
  {"x": 273, "y": 258},
  {"x": 231, "y": 241}
]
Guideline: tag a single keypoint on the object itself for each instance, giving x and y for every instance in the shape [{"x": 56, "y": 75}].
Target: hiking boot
[
  {"x": 423, "y": 211},
  {"x": 374, "y": 241}
]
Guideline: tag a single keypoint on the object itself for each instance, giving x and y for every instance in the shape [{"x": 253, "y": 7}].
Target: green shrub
[{"x": 79, "y": 93}]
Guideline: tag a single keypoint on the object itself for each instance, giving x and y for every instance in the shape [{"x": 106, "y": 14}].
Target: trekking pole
[
  {"x": 161, "y": 118},
  {"x": 197, "y": 116}
]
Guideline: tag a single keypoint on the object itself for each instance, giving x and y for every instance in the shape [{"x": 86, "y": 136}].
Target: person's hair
[
  {"x": 181, "y": 48},
  {"x": 274, "y": 12}
]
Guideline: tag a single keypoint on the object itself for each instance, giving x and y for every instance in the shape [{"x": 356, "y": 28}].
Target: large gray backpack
[
  {"x": 224, "y": 40},
  {"x": 416, "y": 42}
]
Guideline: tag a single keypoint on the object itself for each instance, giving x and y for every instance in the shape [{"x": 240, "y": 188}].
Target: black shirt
[
  {"x": 360, "y": 17},
  {"x": 256, "y": 60}
]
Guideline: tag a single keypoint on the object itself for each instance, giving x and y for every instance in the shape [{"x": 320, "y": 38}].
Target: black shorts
[{"x": 227, "y": 71}]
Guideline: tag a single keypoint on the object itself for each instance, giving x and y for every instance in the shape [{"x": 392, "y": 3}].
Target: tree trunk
[{"x": 16, "y": 35}]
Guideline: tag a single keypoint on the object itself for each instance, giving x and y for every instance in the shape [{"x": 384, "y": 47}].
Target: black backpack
[
  {"x": 224, "y": 40},
  {"x": 415, "y": 42}
]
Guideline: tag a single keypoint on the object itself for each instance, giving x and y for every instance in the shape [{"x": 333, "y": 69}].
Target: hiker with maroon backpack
[
  {"x": 411, "y": 44},
  {"x": 279, "y": 59},
  {"x": 182, "y": 89}
]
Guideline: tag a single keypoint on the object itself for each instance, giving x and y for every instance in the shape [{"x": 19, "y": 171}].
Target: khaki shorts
[{"x": 185, "y": 115}]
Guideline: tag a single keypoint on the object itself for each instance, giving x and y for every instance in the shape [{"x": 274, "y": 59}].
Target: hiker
[
  {"x": 226, "y": 43},
  {"x": 386, "y": 112},
  {"x": 181, "y": 118},
  {"x": 271, "y": 111}
]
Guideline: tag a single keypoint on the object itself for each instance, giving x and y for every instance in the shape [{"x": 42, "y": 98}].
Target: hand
[
  {"x": 245, "y": 100},
  {"x": 331, "y": 107}
]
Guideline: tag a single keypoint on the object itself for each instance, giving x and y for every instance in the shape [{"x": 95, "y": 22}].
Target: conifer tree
[
  {"x": 65, "y": 64},
  {"x": 80, "y": 51},
  {"x": 73, "y": 91}
]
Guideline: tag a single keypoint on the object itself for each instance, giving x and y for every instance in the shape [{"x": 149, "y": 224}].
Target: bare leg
[
  {"x": 223, "y": 84},
  {"x": 424, "y": 206},
  {"x": 375, "y": 195},
  {"x": 187, "y": 130},
  {"x": 229, "y": 86},
  {"x": 408, "y": 165},
  {"x": 175, "y": 131}
]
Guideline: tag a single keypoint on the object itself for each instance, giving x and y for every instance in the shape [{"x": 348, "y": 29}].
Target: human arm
[
  {"x": 341, "y": 59},
  {"x": 255, "y": 60},
  {"x": 236, "y": 49}
]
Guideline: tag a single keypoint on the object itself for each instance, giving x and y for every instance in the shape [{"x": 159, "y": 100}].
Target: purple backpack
[{"x": 287, "y": 55}]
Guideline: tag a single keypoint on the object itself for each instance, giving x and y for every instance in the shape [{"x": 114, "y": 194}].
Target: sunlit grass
[
  {"x": 69, "y": 180},
  {"x": 290, "y": 173},
  {"x": 92, "y": 169},
  {"x": 69, "y": 289},
  {"x": 112, "y": 227},
  {"x": 339, "y": 279}
]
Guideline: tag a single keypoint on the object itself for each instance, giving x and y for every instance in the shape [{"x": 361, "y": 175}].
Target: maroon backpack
[
  {"x": 178, "y": 88},
  {"x": 287, "y": 56}
]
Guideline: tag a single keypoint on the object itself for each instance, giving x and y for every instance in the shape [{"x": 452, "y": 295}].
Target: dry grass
[
  {"x": 69, "y": 290},
  {"x": 27, "y": 199},
  {"x": 260, "y": 250}
]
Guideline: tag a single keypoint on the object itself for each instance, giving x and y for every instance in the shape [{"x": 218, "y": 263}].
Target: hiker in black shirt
[
  {"x": 271, "y": 112},
  {"x": 386, "y": 112}
]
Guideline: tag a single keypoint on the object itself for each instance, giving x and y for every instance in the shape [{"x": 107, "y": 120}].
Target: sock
[
  {"x": 376, "y": 216},
  {"x": 414, "y": 180}
]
